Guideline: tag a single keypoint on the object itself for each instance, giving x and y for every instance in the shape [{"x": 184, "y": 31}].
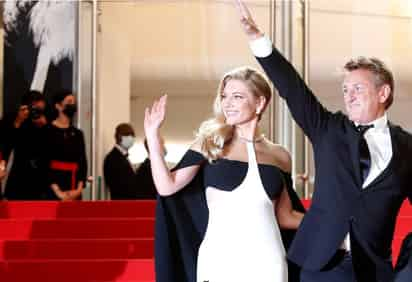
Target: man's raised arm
[{"x": 304, "y": 106}]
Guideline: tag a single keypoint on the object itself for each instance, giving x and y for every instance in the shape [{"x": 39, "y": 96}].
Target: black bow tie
[{"x": 363, "y": 128}]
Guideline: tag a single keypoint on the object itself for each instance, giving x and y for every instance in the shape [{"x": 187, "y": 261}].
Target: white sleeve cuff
[{"x": 261, "y": 47}]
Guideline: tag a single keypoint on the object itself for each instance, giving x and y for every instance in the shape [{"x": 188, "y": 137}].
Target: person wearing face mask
[
  {"x": 119, "y": 174},
  {"x": 65, "y": 151},
  {"x": 26, "y": 177}
]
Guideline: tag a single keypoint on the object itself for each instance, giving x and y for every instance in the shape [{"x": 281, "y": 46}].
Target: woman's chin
[{"x": 231, "y": 121}]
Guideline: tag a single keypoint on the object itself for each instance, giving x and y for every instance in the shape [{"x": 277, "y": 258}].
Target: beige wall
[{"x": 113, "y": 87}]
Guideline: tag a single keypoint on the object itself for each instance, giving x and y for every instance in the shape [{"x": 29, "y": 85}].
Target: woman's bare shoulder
[{"x": 279, "y": 155}]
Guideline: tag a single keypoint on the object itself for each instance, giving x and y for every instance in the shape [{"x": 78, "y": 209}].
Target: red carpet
[
  {"x": 91, "y": 241},
  {"x": 77, "y": 241}
]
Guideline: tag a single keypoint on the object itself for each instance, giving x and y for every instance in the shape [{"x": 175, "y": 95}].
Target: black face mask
[
  {"x": 69, "y": 110},
  {"x": 36, "y": 113}
]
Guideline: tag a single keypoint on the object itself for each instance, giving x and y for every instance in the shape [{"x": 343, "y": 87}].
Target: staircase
[
  {"x": 77, "y": 241},
  {"x": 91, "y": 241}
]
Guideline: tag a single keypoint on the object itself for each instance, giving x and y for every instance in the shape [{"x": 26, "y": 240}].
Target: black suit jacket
[
  {"x": 119, "y": 176},
  {"x": 147, "y": 188},
  {"x": 339, "y": 203}
]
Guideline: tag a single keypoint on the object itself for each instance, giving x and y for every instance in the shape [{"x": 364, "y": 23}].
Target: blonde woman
[{"x": 224, "y": 227}]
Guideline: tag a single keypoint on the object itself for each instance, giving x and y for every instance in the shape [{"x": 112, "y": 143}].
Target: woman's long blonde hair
[{"x": 214, "y": 133}]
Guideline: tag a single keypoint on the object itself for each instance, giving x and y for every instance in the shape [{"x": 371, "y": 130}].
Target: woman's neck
[
  {"x": 248, "y": 133},
  {"x": 62, "y": 121}
]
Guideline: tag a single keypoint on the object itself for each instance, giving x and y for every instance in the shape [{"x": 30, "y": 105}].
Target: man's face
[{"x": 364, "y": 101}]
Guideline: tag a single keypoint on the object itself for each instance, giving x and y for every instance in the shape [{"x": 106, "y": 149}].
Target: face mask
[
  {"x": 36, "y": 113},
  {"x": 69, "y": 110},
  {"x": 127, "y": 141}
]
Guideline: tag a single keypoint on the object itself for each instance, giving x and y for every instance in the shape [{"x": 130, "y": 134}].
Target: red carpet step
[
  {"x": 77, "y": 241},
  {"x": 85, "y": 209},
  {"x": 92, "y": 241},
  {"x": 77, "y": 249},
  {"x": 88, "y": 228},
  {"x": 78, "y": 270}
]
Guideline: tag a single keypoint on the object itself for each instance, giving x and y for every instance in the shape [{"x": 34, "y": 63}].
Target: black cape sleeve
[
  {"x": 289, "y": 234},
  {"x": 181, "y": 221}
]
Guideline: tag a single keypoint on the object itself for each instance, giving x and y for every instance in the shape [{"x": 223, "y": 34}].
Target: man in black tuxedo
[
  {"x": 362, "y": 162},
  {"x": 119, "y": 174}
]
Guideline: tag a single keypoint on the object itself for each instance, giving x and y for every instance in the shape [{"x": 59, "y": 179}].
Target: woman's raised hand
[{"x": 154, "y": 117}]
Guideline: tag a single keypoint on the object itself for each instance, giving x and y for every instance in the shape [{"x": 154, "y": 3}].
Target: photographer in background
[
  {"x": 10, "y": 123},
  {"x": 38, "y": 110},
  {"x": 27, "y": 179}
]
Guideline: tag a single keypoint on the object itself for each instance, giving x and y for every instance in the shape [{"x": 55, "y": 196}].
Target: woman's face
[
  {"x": 70, "y": 99},
  {"x": 67, "y": 106},
  {"x": 239, "y": 104}
]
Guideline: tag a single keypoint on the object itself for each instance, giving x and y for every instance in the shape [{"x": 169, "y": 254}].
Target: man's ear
[{"x": 384, "y": 93}]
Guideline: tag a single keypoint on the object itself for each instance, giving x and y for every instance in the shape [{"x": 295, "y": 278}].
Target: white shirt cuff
[{"x": 261, "y": 47}]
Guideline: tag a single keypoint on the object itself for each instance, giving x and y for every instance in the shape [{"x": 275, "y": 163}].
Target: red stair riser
[
  {"x": 54, "y": 209},
  {"x": 20, "y": 229},
  {"x": 77, "y": 249},
  {"x": 77, "y": 270}
]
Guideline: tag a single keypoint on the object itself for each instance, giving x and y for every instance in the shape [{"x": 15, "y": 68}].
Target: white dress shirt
[
  {"x": 378, "y": 137},
  {"x": 379, "y": 143}
]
